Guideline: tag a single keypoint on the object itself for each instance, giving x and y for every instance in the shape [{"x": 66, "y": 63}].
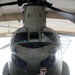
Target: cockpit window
[
  {"x": 34, "y": 44},
  {"x": 35, "y": 39},
  {"x": 34, "y": 35},
  {"x": 48, "y": 37},
  {"x": 21, "y": 37}
]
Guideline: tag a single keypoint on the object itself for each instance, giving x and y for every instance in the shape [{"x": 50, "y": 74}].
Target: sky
[{"x": 68, "y": 56}]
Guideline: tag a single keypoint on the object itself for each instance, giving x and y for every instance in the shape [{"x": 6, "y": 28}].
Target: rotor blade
[
  {"x": 4, "y": 46},
  {"x": 10, "y": 3},
  {"x": 8, "y": 26},
  {"x": 61, "y": 12}
]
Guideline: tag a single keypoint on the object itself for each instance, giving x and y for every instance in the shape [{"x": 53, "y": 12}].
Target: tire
[
  {"x": 65, "y": 69},
  {"x": 5, "y": 69}
]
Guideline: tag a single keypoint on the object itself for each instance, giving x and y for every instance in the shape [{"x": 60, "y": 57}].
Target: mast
[{"x": 34, "y": 17}]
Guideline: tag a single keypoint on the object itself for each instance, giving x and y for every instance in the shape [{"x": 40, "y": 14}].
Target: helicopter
[{"x": 35, "y": 48}]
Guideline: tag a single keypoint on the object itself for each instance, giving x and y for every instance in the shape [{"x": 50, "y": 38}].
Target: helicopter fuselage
[{"x": 34, "y": 45}]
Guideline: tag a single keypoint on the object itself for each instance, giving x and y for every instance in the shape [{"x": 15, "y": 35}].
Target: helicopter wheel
[
  {"x": 5, "y": 69},
  {"x": 65, "y": 70}
]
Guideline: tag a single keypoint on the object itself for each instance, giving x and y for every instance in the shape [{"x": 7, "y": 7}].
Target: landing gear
[
  {"x": 65, "y": 70},
  {"x": 43, "y": 70},
  {"x": 5, "y": 69}
]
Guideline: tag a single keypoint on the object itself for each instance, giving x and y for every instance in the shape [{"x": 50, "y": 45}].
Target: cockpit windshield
[{"x": 35, "y": 37}]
